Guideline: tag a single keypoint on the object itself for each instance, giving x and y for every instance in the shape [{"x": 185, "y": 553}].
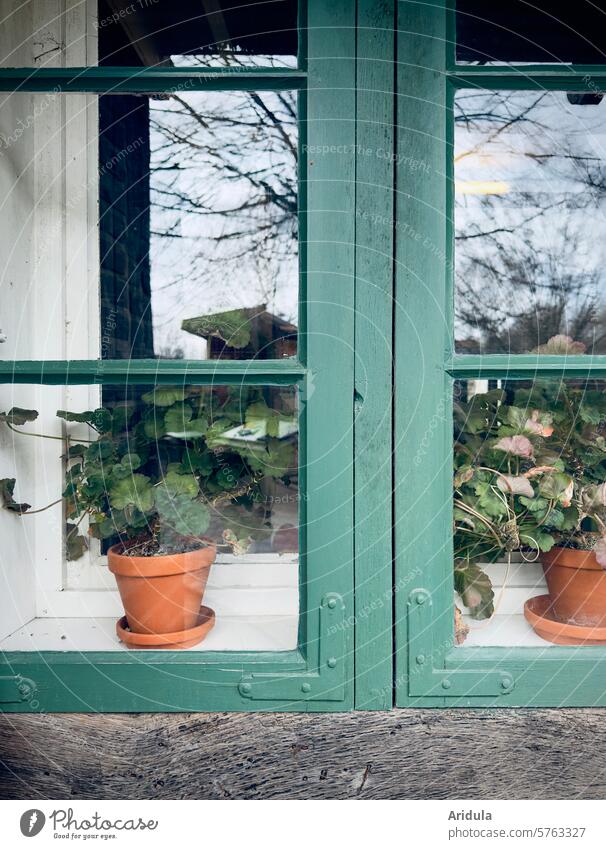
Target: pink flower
[
  {"x": 539, "y": 423},
  {"x": 520, "y": 446}
]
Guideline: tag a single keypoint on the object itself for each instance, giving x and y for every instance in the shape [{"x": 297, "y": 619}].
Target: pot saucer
[
  {"x": 177, "y": 640},
  {"x": 544, "y": 623}
]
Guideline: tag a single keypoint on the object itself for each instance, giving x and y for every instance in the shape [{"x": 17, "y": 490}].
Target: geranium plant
[
  {"x": 530, "y": 473},
  {"x": 156, "y": 469}
]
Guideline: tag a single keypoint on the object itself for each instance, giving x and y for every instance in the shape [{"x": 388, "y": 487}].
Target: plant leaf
[
  {"x": 515, "y": 485},
  {"x": 134, "y": 491},
  {"x": 99, "y": 419},
  {"x": 164, "y": 396},
  {"x": 7, "y": 488},
  {"x": 75, "y": 543},
  {"x": 19, "y": 416},
  {"x": 475, "y": 588},
  {"x": 182, "y": 514}
]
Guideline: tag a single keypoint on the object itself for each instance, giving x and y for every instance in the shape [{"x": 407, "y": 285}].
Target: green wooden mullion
[
  {"x": 525, "y": 366},
  {"x": 111, "y": 79},
  {"x": 373, "y": 369},
  {"x": 422, "y": 400},
  {"x": 329, "y": 305},
  {"x": 202, "y": 372},
  {"x": 530, "y": 77}
]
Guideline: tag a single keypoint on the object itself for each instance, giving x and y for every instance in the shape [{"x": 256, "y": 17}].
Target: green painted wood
[
  {"x": 526, "y": 366},
  {"x": 530, "y": 77},
  {"x": 326, "y": 682},
  {"x": 14, "y": 689},
  {"x": 221, "y": 372},
  {"x": 329, "y": 316},
  {"x": 422, "y": 393},
  {"x": 110, "y": 79},
  {"x": 373, "y": 339}
]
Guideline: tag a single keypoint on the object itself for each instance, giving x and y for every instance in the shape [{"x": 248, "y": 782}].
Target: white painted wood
[
  {"x": 509, "y": 631},
  {"x": 512, "y": 586},
  {"x": 231, "y": 633},
  {"x": 233, "y": 589}
]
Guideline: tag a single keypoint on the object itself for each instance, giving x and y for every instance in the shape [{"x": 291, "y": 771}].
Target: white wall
[{"x": 48, "y": 278}]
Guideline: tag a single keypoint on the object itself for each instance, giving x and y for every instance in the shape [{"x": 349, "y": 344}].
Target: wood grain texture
[{"x": 403, "y": 754}]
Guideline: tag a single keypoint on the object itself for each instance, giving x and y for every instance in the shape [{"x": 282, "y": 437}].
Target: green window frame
[
  {"x": 344, "y": 658},
  {"x": 430, "y": 672}
]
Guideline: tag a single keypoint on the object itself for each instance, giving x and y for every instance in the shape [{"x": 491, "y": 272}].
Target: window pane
[
  {"x": 150, "y": 33},
  {"x": 515, "y": 31},
  {"x": 192, "y": 251},
  {"x": 529, "y": 223},
  {"x": 529, "y": 484},
  {"x": 154, "y": 468}
]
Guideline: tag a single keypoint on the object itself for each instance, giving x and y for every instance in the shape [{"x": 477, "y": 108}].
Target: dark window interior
[{"x": 542, "y": 31}]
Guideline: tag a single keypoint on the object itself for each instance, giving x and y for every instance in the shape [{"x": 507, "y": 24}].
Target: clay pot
[
  {"x": 162, "y": 594},
  {"x": 180, "y": 640},
  {"x": 539, "y": 614},
  {"x": 577, "y": 587}
]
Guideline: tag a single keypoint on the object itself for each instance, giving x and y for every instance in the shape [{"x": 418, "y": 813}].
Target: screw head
[
  {"x": 332, "y": 603},
  {"x": 306, "y": 688},
  {"x": 420, "y": 598},
  {"x": 446, "y": 684},
  {"x": 420, "y": 658},
  {"x": 331, "y": 662},
  {"x": 506, "y": 682},
  {"x": 245, "y": 688}
]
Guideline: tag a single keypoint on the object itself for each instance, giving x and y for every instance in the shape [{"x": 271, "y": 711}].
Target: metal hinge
[
  {"x": 15, "y": 689},
  {"x": 326, "y": 683},
  {"x": 427, "y": 679}
]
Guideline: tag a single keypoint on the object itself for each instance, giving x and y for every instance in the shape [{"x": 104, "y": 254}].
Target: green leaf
[
  {"x": 77, "y": 450},
  {"x": 177, "y": 484},
  {"x": 135, "y": 491},
  {"x": 153, "y": 425},
  {"x": 75, "y": 543},
  {"x": 231, "y": 326},
  {"x": 182, "y": 514},
  {"x": 177, "y": 416},
  {"x": 121, "y": 416},
  {"x": 7, "y": 489},
  {"x": 164, "y": 396},
  {"x": 100, "y": 419},
  {"x": 554, "y": 484},
  {"x": 475, "y": 588},
  {"x": 198, "y": 462},
  {"x": 19, "y": 416}
]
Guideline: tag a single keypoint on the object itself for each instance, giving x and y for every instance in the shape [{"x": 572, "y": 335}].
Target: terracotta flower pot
[
  {"x": 577, "y": 586},
  {"x": 162, "y": 594}
]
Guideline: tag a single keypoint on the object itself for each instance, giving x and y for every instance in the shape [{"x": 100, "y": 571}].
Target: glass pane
[
  {"x": 152, "y": 470},
  {"x": 518, "y": 32},
  {"x": 192, "y": 251},
  {"x": 530, "y": 511},
  {"x": 151, "y": 33},
  {"x": 529, "y": 223}
]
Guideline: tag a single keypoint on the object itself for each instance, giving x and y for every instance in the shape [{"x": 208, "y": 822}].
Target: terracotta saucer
[
  {"x": 537, "y": 613},
  {"x": 177, "y": 640}
]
